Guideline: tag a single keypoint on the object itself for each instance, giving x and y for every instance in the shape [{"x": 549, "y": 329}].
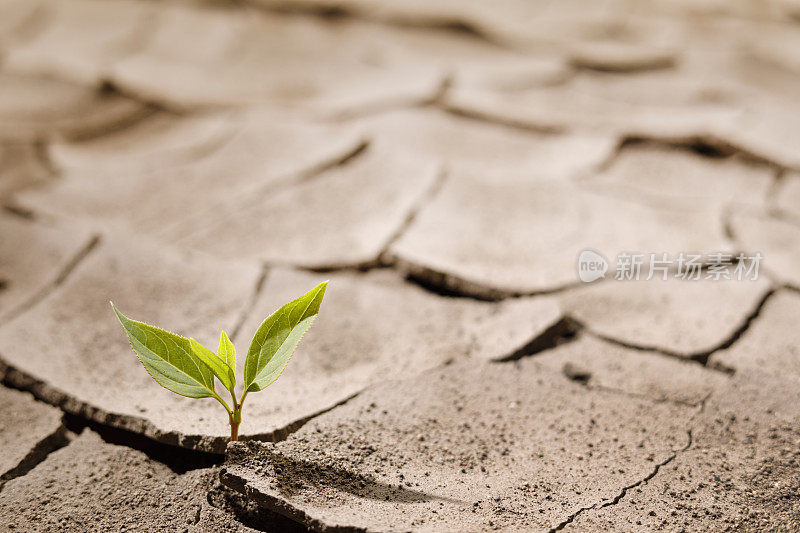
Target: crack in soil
[
  {"x": 609, "y": 161},
  {"x": 41, "y": 152},
  {"x": 563, "y": 331},
  {"x": 250, "y": 514},
  {"x": 126, "y": 429},
  {"x": 646, "y": 348},
  {"x": 387, "y": 105},
  {"x": 426, "y": 279},
  {"x": 624, "y": 491},
  {"x": 257, "y": 289},
  {"x": 19, "y": 211},
  {"x": 382, "y": 259},
  {"x": 289, "y": 181},
  {"x": 425, "y": 198},
  {"x": 584, "y": 379},
  {"x": 702, "y": 357},
  {"x": 284, "y": 432},
  {"x": 642, "y": 396},
  {"x": 775, "y": 187},
  {"x": 106, "y": 88},
  {"x": 179, "y": 460},
  {"x": 740, "y": 331},
  {"x": 784, "y": 216},
  {"x": 324, "y": 11},
  {"x": 651, "y": 475},
  {"x": 60, "y": 278},
  {"x": 445, "y": 284},
  {"x": 42, "y": 391},
  {"x": 443, "y": 91},
  {"x": 488, "y": 118},
  {"x": 727, "y": 224},
  {"x": 315, "y": 171},
  {"x": 38, "y": 453},
  {"x": 706, "y": 145},
  {"x": 701, "y": 406},
  {"x": 281, "y": 506}
]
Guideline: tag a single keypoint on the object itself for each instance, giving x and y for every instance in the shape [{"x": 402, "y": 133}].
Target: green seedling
[{"x": 188, "y": 368}]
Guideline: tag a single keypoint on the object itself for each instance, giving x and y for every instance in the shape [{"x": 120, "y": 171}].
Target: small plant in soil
[{"x": 188, "y": 368}]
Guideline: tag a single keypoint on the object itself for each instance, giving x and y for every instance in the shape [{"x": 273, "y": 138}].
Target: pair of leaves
[{"x": 186, "y": 367}]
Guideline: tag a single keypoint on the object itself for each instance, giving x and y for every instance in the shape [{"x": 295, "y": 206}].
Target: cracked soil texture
[{"x": 443, "y": 164}]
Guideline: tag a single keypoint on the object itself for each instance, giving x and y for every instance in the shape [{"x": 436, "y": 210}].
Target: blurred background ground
[{"x": 443, "y": 164}]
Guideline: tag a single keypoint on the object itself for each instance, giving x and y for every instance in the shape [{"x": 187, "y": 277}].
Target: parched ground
[{"x": 443, "y": 164}]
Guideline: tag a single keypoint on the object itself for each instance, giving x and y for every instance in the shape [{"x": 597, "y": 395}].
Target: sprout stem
[{"x": 235, "y": 418}]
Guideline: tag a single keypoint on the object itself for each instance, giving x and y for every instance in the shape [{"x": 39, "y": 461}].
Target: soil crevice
[
  {"x": 140, "y": 433},
  {"x": 62, "y": 275},
  {"x": 561, "y": 332},
  {"x": 259, "y": 286},
  {"x": 701, "y": 357},
  {"x": 52, "y": 442},
  {"x": 624, "y": 491},
  {"x": 450, "y": 24},
  {"x": 424, "y": 199}
]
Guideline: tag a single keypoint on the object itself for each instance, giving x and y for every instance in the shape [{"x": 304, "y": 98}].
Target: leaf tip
[
  {"x": 322, "y": 287},
  {"x": 120, "y": 316}
]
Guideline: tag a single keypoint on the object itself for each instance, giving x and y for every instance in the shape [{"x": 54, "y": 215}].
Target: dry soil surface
[{"x": 444, "y": 164}]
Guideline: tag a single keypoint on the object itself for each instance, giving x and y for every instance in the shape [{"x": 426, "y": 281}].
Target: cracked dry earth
[{"x": 442, "y": 163}]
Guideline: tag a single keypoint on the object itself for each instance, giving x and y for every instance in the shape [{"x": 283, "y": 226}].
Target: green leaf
[
  {"x": 226, "y": 351},
  {"x": 278, "y": 336},
  {"x": 217, "y": 365},
  {"x": 168, "y": 359}
]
